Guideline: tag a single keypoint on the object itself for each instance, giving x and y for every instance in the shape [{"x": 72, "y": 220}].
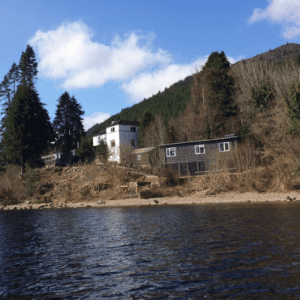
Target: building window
[
  {"x": 132, "y": 143},
  {"x": 99, "y": 139},
  {"x": 170, "y": 152},
  {"x": 224, "y": 147},
  {"x": 133, "y": 129},
  {"x": 138, "y": 157},
  {"x": 112, "y": 129},
  {"x": 112, "y": 143},
  {"x": 199, "y": 149}
]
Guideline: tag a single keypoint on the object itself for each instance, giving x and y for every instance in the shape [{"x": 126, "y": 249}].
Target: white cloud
[
  {"x": 284, "y": 12},
  {"x": 68, "y": 53},
  {"x": 97, "y": 117}
]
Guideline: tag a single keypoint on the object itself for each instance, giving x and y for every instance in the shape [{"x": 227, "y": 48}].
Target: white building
[{"x": 119, "y": 133}]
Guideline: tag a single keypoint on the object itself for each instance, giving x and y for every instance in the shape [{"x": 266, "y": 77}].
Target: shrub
[
  {"x": 171, "y": 177},
  {"x": 11, "y": 186}
]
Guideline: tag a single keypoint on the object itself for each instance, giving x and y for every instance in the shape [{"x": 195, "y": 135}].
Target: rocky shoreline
[{"x": 231, "y": 197}]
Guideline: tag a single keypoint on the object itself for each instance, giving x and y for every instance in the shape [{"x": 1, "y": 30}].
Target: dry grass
[
  {"x": 12, "y": 187},
  {"x": 251, "y": 170}
]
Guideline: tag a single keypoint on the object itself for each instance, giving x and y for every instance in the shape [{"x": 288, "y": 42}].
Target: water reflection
[{"x": 215, "y": 251}]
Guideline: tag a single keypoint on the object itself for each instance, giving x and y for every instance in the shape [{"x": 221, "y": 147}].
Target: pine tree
[
  {"x": 146, "y": 121},
  {"x": 213, "y": 92},
  {"x": 28, "y": 67},
  {"x": 68, "y": 122},
  {"x": 14, "y": 78},
  {"x": 221, "y": 82},
  {"x": 85, "y": 149},
  {"x": 8, "y": 91},
  {"x": 28, "y": 128}
]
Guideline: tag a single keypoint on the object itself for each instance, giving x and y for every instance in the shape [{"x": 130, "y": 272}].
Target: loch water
[{"x": 212, "y": 251}]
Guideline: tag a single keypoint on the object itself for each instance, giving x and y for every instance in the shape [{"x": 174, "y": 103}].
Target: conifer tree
[
  {"x": 28, "y": 128},
  {"x": 85, "y": 149},
  {"x": 213, "y": 91},
  {"x": 145, "y": 122},
  {"x": 68, "y": 122},
  {"x": 28, "y": 67}
]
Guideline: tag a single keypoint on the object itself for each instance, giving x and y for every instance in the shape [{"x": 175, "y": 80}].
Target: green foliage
[
  {"x": 262, "y": 96},
  {"x": 28, "y": 67},
  {"x": 145, "y": 122},
  {"x": 33, "y": 177},
  {"x": 222, "y": 84},
  {"x": 293, "y": 109},
  {"x": 85, "y": 149},
  {"x": 68, "y": 122},
  {"x": 169, "y": 104},
  {"x": 102, "y": 150},
  {"x": 28, "y": 127}
]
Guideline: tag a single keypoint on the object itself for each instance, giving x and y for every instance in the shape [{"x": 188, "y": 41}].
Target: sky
[{"x": 113, "y": 54}]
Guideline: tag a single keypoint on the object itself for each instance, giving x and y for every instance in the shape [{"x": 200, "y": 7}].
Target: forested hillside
[
  {"x": 168, "y": 104},
  {"x": 173, "y": 100}
]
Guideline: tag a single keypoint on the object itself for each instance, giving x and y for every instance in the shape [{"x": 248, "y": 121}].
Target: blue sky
[{"x": 113, "y": 54}]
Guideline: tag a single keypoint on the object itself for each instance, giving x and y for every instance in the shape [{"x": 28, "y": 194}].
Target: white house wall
[
  {"x": 122, "y": 134},
  {"x": 97, "y": 139}
]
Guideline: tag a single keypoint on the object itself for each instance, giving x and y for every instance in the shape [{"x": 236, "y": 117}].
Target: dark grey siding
[{"x": 187, "y": 161}]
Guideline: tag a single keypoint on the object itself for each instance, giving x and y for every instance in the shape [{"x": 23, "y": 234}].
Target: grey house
[
  {"x": 195, "y": 157},
  {"x": 144, "y": 157}
]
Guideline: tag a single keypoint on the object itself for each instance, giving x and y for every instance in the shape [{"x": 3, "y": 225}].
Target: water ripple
[{"x": 174, "y": 252}]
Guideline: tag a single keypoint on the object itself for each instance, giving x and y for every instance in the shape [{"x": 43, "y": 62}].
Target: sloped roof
[
  {"x": 143, "y": 150},
  {"x": 124, "y": 122}
]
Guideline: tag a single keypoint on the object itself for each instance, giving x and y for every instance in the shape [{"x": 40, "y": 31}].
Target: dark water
[{"x": 236, "y": 251}]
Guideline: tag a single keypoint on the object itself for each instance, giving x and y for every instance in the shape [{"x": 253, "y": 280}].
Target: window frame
[
  {"x": 112, "y": 129},
  {"x": 202, "y": 146},
  {"x": 133, "y": 129},
  {"x": 168, "y": 152},
  {"x": 224, "y": 147},
  {"x": 112, "y": 143}
]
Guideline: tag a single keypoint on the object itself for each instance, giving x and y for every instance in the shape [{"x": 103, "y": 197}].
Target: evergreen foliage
[
  {"x": 28, "y": 67},
  {"x": 28, "y": 128},
  {"x": 222, "y": 84},
  {"x": 262, "y": 96},
  {"x": 7, "y": 92},
  {"x": 293, "y": 109},
  {"x": 85, "y": 149},
  {"x": 168, "y": 104},
  {"x": 145, "y": 122},
  {"x": 102, "y": 150},
  {"x": 68, "y": 122}
]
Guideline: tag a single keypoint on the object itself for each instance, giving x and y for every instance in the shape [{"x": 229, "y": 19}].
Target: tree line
[{"x": 26, "y": 130}]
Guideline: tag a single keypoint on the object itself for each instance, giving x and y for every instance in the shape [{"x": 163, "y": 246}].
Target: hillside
[
  {"x": 168, "y": 104},
  {"x": 173, "y": 100}
]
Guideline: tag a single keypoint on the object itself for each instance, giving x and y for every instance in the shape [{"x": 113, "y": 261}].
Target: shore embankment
[{"x": 230, "y": 197}]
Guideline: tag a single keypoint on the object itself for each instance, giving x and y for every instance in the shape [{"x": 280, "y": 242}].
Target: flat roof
[
  {"x": 227, "y": 137},
  {"x": 124, "y": 122}
]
